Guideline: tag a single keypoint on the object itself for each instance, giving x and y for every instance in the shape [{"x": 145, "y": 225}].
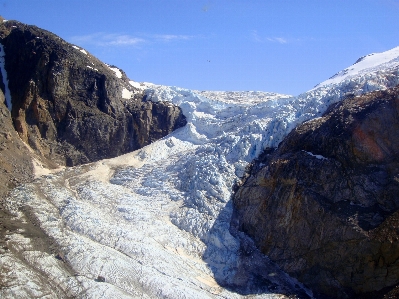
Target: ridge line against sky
[{"x": 277, "y": 46}]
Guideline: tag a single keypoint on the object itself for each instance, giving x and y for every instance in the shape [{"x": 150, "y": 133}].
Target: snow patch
[
  {"x": 81, "y": 50},
  {"x": 366, "y": 64},
  {"x": 116, "y": 71},
  {"x": 92, "y": 68},
  {"x": 138, "y": 85},
  {"x": 126, "y": 94}
]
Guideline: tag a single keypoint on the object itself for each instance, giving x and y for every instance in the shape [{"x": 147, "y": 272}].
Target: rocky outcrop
[
  {"x": 71, "y": 108},
  {"x": 324, "y": 204}
]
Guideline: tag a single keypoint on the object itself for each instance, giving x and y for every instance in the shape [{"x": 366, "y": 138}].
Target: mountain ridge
[{"x": 63, "y": 96}]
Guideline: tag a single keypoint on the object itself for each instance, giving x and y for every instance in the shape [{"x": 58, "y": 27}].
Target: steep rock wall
[{"x": 70, "y": 107}]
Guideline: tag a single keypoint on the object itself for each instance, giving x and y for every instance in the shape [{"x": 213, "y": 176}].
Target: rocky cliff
[
  {"x": 324, "y": 204},
  {"x": 71, "y": 108}
]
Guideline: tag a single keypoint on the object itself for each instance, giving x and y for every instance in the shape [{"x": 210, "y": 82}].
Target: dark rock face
[
  {"x": 324, "y": 205},
  {"x": 70, "y": 107}
]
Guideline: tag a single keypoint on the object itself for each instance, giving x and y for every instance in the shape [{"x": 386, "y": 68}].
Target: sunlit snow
[
  {"x": 138, "y": 85},
  {"x": 81, "y": 50},
  {"x": 88, "y": 66},
  {"x": 155, "y": 223},
  {"x": 386, "y": 60},
  {"x": 117, "y": 72},
  {"x": 126, "y": 94}
]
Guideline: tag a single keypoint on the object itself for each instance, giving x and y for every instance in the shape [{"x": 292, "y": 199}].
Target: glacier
[{"x": 155, "y": 223}]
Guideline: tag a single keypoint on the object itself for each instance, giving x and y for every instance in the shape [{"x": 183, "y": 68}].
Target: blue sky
[{"x": 285, "y": 46}]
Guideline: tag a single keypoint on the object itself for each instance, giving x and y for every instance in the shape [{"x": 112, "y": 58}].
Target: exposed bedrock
[
  {"x": 15, "y": 164},
  {"x": 70, "y": 107},
  {"x": 324, "y": 204}
]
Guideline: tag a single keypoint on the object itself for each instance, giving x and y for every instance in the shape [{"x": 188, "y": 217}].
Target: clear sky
[{"x": 284, "y": 46}]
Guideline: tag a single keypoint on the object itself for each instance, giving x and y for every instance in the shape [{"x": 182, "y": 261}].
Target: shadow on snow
[{"x": 249, "y": 271}]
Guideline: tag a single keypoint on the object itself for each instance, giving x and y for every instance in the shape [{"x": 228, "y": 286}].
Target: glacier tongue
[{"x": 155, "y": 223}]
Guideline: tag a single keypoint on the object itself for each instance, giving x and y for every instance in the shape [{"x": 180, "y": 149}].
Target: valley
[{"x": 145, "y": 207}]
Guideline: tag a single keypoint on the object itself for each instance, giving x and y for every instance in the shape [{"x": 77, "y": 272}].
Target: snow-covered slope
[
  {"x": 155, "y": 223},
  {"x": 365, "y": 67}
]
